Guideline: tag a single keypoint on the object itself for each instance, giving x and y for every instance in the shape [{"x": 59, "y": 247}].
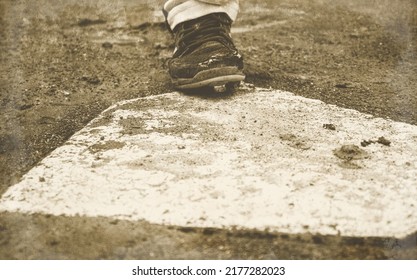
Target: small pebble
[
  {"x": 384, "y": 141},
  {"x": 107, "y": 45},
  {"x": 329, "y": 126}
]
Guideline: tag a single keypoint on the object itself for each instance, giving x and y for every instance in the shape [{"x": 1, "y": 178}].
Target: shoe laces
[{"x": 192, "y": 34}]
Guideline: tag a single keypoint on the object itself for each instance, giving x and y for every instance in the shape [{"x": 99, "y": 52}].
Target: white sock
[{"x": 184, "y": 10}]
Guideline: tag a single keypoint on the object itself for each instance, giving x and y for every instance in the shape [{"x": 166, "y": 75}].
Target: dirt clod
[
  {"x": 329, "y": 126},
  {"x": 350, "y": 152},
  {"x": 295, "y": 142},
  {"x": 384, "y": 141},
  {"x": 86, "y": 22},
  {"x": 110, "y": 145},
  {"x": 107, "y": 45},
  {"x": 381, "y": 140},
  {"x": 366, "y": 143}
]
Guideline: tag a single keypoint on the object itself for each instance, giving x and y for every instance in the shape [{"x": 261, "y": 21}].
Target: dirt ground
[{"x": 63, "y": 62}]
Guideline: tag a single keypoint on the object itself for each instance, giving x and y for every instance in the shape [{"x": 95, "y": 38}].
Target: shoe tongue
[{"x": 209, "y": 47}]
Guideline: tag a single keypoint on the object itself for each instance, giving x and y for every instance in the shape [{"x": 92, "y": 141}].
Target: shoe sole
[{"x": 211, "y": 78}]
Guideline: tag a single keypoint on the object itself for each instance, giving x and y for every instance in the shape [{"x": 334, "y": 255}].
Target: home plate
[{"x": 260, "y": 159}]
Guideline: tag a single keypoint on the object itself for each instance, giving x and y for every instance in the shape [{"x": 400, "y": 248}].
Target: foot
[{"x": 205, "y": 55}]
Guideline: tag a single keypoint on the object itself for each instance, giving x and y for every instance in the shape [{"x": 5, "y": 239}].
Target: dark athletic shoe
[{"x": 205, "y": 55}]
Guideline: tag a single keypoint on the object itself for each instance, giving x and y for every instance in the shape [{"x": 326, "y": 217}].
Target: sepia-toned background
[{"x": 63, "y": 62}]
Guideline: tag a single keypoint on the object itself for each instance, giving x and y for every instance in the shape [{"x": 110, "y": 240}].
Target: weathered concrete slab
[{"x": 260, "y": 159}]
